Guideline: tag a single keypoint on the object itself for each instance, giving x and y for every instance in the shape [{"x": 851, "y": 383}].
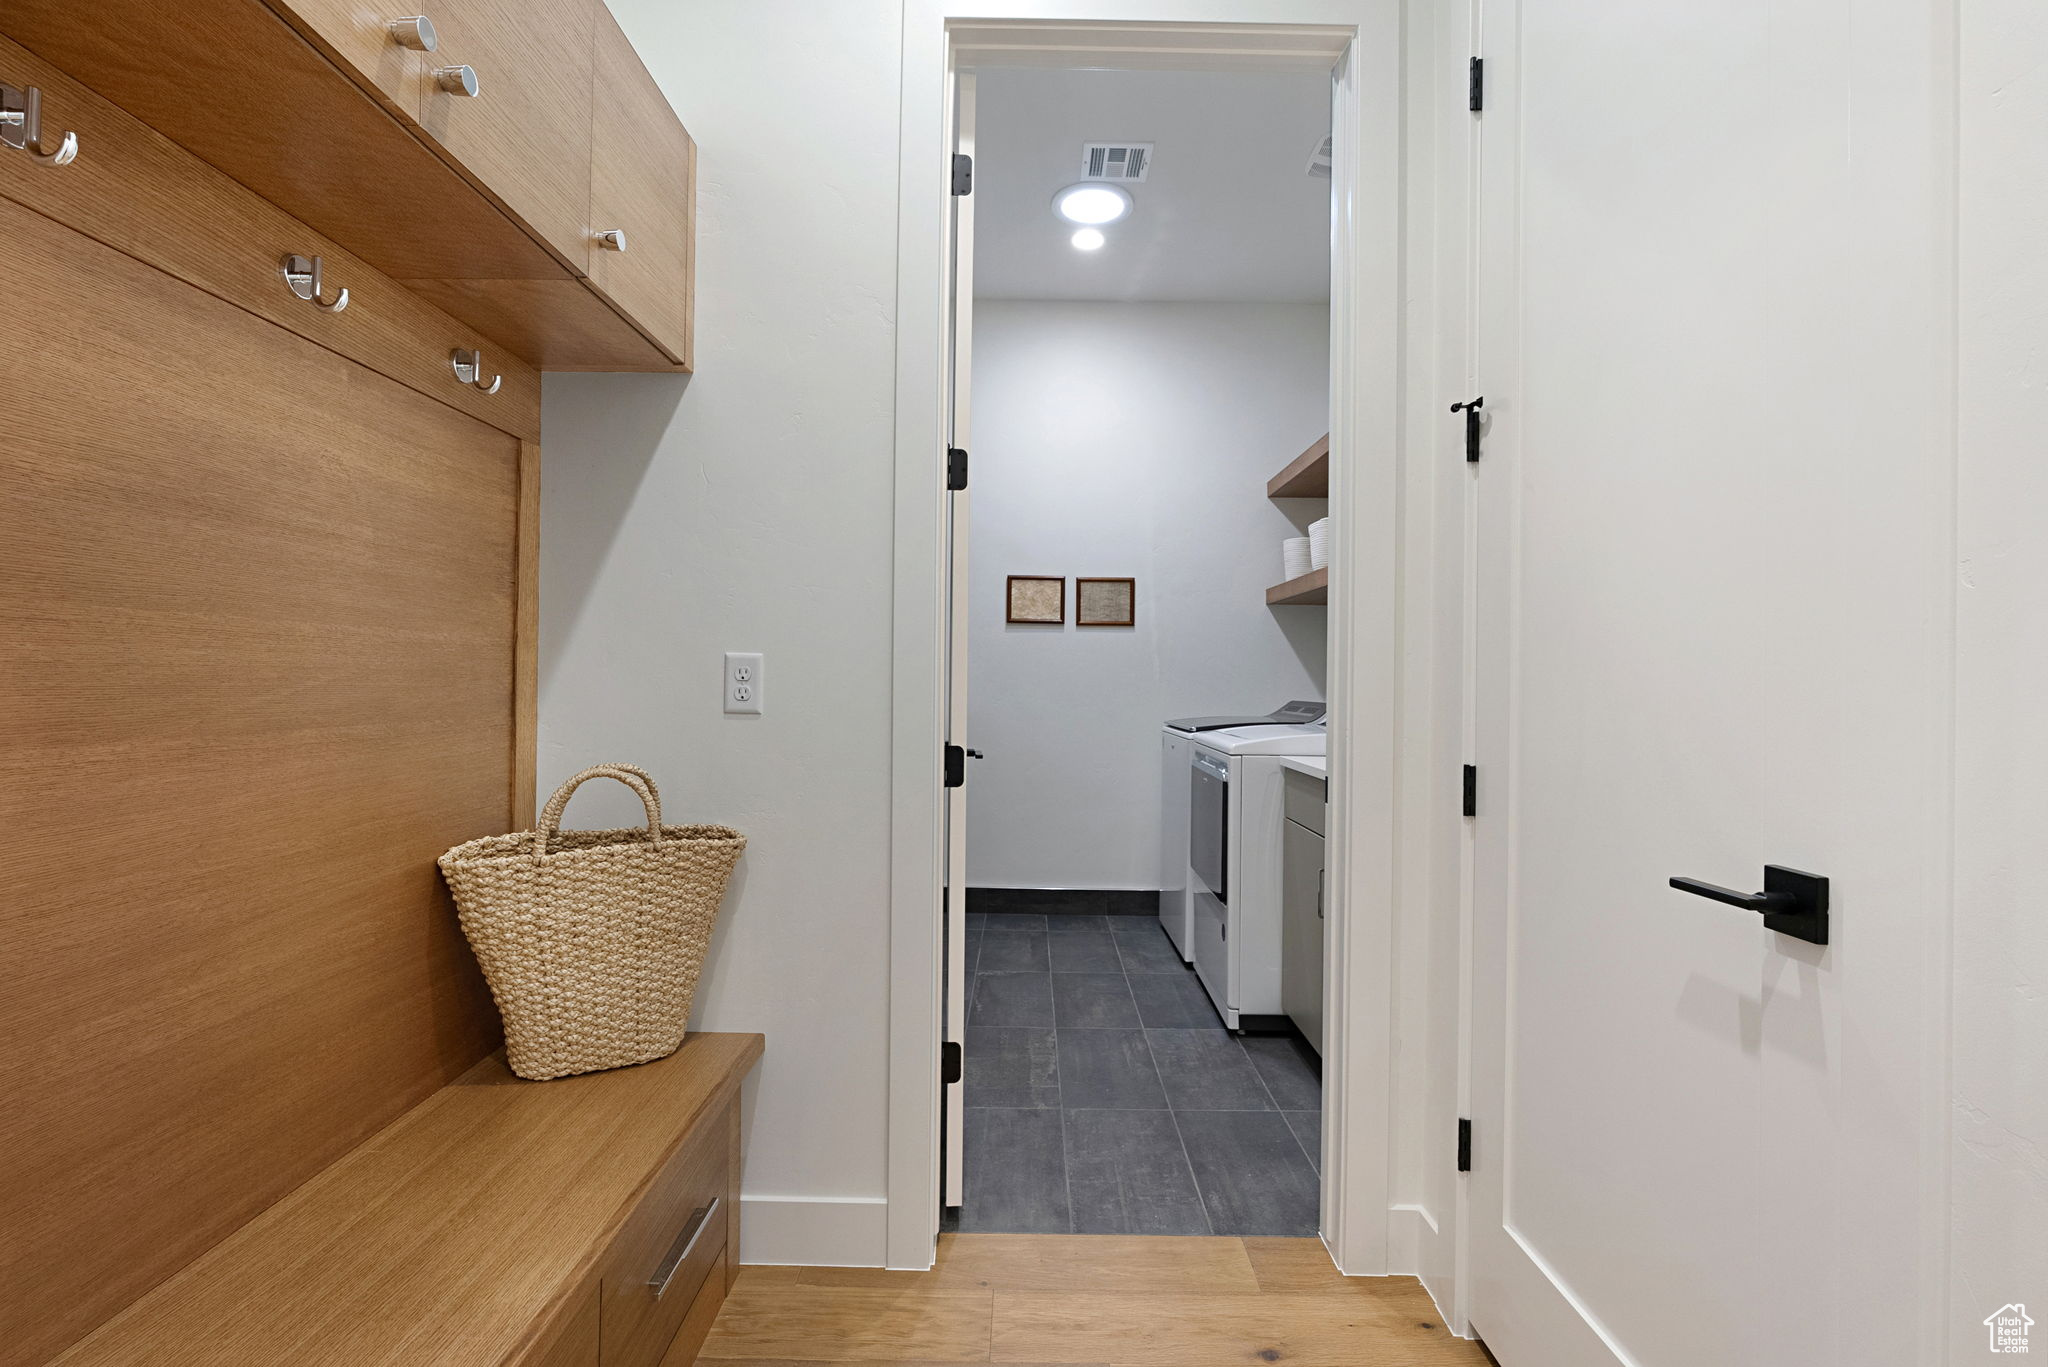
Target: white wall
[
  {"x": 1128, "y": 440},
  {"x": 749, "y": 508},
  {"x": 1999, "y": 1047}
]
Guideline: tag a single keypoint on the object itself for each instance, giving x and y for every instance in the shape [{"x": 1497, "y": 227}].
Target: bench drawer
[
  {"x": 682, "y": 1351},
  {"x": 667, "y": 1252}
]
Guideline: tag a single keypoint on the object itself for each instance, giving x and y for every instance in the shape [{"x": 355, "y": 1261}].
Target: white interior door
[
  {"x": 1712, "y": 635},
  {"x": 960, "y": 332}
]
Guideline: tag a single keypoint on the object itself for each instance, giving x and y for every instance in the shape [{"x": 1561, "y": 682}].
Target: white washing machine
[
  {"x": 1233, "y": 890},
  {"x": 1176, "y": 749}
]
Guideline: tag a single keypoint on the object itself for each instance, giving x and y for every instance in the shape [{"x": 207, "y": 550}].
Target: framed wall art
[
  {"x": 1105, "y": 602},
  {"x": 1036, "y": 600}
]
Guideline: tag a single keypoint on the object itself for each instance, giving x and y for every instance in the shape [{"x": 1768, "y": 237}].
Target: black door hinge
[
  {"x": 1472, "y": 420},
  {"x": 963, "y": 174},
  {"x": 956, "y": 468},
  {"x": 956, "y": 766},
  {"x": 1464, "y": 1145},
  {"x": 1476, "y": 91},
  {"x": 1471, "y": 790},
  {"x": 949, "y": 1063}
]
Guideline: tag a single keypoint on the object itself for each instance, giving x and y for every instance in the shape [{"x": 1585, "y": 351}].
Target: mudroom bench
[{"x": 585, "y": 1222}]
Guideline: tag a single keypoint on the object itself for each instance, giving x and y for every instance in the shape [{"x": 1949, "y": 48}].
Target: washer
[
  {"x": 1176, "y": 748},
  {"x": 1233, "y": 889}
]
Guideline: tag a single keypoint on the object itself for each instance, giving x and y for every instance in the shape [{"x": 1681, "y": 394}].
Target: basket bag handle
[{"x": 632, "y": 775}]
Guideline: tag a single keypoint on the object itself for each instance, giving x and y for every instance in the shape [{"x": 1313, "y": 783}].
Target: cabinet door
[
  {"x": 1301, "y": 931},
  {"x": 359, "y": 35},
  {"x": 525, "y": 136},
  {"x": 643, "y": 182}
]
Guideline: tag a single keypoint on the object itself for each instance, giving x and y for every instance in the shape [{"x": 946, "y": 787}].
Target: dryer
[{"x": 1235, "y": 815}]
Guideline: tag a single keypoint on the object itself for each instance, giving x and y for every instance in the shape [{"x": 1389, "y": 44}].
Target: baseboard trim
[
  {"x": 1406, "y": 1227},
  {"x": 1419, "y": 1212},
  {"x": 814, "y": 1231},
  {"x": 1066, "y": 901}
]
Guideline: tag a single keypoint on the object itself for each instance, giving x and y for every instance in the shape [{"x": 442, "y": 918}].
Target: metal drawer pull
[
  {"x": 469, "y": 368},
  {"x": 700, "y": 1220},
  {"x": 21, "y": 127},
  {"x": 612, "y": 239},
  {"x": 302, "y": 274}
]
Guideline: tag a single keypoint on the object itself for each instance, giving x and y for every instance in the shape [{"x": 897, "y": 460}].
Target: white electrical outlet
[{"x": 743, "y": 683}]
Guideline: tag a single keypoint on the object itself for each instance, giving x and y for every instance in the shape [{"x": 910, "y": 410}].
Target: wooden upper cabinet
[
  {"x": 485, "y": 205},
  {"x": 524, "y": 137},
  {"x": 643, "y": 184}
]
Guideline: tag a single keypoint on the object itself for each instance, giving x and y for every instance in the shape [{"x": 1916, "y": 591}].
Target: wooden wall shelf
[
  {"x": 1311, "y": 590},
  {"x": 1306, "y": 476}
]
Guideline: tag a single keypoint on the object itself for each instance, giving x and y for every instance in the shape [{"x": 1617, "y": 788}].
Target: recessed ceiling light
[
  {"x": 1092, "y": 203},
  {"x": 1088, "y": 239}
]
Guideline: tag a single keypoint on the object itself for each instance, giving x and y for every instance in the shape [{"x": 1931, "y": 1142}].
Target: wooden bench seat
[{"x": 499, "y": 1222}]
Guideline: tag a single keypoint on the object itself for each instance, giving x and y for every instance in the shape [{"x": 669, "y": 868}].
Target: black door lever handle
[
  {"x": 1748, "y": 901},
  {"x": 1792, "y": 903}
]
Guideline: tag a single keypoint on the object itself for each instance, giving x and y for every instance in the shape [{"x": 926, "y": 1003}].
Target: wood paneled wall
[{"x": 259, "y": 665}]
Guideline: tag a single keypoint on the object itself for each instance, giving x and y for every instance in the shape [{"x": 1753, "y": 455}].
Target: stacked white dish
[
  {"x": 1294, "y": 557},
  {"x": 1319, "y": 543}
]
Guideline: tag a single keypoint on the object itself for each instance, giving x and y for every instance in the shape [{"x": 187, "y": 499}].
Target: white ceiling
[{"x": 1228, "y": 211}]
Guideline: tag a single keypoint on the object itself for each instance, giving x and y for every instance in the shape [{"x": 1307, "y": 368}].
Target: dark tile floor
[{"x": 1104, "y": 1095}]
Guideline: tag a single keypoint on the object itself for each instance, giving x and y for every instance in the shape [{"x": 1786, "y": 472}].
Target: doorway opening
[
  {"x": 1353, "y": 49},
  {"x": 1142, "y": 380}
]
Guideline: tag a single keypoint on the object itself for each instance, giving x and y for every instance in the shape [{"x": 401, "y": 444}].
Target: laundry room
[{"x": 1140, "y": 561}]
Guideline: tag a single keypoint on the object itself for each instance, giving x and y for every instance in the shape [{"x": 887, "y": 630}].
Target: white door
[
  {"x": 1712, "y": 635},
  {"x": 960, "y": 331}
]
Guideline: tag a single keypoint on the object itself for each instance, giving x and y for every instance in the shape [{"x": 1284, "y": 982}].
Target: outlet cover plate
[{"x": 743, "y": 683}]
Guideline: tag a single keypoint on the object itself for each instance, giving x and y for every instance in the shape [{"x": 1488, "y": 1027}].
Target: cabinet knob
[
  {"x": 415, "y": 32},
  {"x": 612, "y": 239},
  {"x": 457, "y": 80}
]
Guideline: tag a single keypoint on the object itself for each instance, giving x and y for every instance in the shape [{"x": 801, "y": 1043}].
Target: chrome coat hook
[
  {"x": 469, "y": 368},
  {"x": 302, "y": 274},
  {"x": 21, "y": 127}
]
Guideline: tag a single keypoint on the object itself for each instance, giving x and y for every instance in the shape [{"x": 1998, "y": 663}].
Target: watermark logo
[{"x": 2008, "y": 1327}]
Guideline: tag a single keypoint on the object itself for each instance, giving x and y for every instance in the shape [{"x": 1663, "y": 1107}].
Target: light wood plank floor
[{"x": 1034, "y": 1300}]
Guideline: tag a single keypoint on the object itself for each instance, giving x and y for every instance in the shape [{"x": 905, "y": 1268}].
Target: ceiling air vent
[
  {"x": 1126, "y": 161},
  {"x": 1319, "y": 160}
]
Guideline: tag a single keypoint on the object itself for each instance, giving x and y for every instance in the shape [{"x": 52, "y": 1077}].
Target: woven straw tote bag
[{"x": 592, "y": 940}]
